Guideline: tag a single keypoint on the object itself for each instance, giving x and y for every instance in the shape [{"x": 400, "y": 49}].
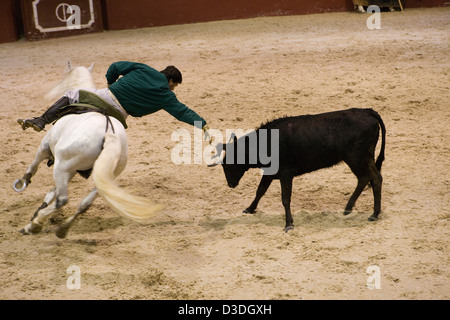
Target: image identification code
[{"x": 231, "y": 309}]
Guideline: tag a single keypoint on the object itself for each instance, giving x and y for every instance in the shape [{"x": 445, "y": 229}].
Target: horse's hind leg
[{"x": 63, "y": 228}]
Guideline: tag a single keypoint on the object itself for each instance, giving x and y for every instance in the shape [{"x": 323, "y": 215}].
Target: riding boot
[{"x": 38, "y": 123}]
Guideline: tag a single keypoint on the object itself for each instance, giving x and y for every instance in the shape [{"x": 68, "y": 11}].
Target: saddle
[{"x": 90, "y": 102}]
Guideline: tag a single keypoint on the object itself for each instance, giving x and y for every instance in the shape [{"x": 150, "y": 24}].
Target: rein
[{"x": 108, "y": 123}]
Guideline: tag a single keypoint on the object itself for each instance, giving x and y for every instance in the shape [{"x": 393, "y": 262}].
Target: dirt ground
[{"x": 238, "y": 74}]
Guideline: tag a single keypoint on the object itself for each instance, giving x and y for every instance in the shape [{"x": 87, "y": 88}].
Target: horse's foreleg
[
  {"x": 63, "y": 228},
  {"x": 41, "y": 216},
  {"x": 57, "y": 197},
  {"x": 49, "y": 198},
  {"x": 42, "y": 154},
  {"x": 34, "y": 228}
]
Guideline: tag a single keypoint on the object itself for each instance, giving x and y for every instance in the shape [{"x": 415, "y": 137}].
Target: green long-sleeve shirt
[{"x": 143, "y": 90}]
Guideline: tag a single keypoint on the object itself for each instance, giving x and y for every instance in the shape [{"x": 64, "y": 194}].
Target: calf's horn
[
  {"x": 221, "y": 155},
  {"x": 218, "y": 161}
]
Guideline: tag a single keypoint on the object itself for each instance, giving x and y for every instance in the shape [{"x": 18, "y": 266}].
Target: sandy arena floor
[{"x": 238, "y": 74}]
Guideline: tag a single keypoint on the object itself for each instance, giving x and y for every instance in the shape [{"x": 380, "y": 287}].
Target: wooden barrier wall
[
  {"x": 128, "y": 14},
  {"x": 9, "y": 20},
  {"x": 119, "y": 14},
  {"x": 19, "y": 16}
]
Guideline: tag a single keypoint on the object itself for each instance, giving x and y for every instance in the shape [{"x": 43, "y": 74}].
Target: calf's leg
[
  {"x": 366, "y": 172},
  {"x": 362, "y": 183},
  {"x": 262, "y": 188},
  {"x": 286, "y": 192},
  {"x": 361, "y": 168},
  {"x": 376, "y": 182}
]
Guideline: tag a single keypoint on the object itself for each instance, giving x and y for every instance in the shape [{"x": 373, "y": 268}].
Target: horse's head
[{"x": 75, "y": 77}]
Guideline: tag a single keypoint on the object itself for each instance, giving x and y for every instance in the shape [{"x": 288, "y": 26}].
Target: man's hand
[{"x": 206, "y": 135}]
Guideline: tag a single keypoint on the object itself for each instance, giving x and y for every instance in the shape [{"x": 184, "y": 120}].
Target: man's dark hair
[{"x": 173, "y": 74}]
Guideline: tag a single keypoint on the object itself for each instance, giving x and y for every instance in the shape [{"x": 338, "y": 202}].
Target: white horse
[{"x": 84, "y": 143}]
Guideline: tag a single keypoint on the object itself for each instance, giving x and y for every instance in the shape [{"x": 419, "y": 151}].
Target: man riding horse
[{"x": 140, "y": 91}]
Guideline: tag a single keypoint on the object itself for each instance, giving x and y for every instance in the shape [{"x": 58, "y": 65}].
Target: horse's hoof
[
  {"x": 287, "y": 228},
  {"x": 35, "y": 228},
  {"x": 373, "y": 218},
  {"x": 61, "y": 232},
  {"x": 19, "y": 185},
  {"x": 249, "y": 211},
  {"x": 31, "y": 228}
]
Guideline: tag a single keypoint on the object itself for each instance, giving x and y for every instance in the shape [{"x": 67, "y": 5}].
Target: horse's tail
[{"x": 130, "y": 206}]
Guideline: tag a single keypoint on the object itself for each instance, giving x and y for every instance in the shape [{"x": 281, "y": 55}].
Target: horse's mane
[{"x": 75, "y": 77}]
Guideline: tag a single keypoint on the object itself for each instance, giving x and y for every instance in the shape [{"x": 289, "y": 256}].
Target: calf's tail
[{"x": 380, "y": 158}]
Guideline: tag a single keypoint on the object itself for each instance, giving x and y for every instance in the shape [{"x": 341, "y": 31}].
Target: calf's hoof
[
  {"x": 287, "y": 228},
  {"x": 347, "y": 212},
  {"x": 248, "y": 210},
  {"x": 373, "y": 217}
]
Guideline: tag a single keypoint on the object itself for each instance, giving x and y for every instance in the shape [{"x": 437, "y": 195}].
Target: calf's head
[{"x": 232, "y": 167}]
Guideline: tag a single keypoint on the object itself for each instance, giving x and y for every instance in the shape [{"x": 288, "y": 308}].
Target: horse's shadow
[{"x": 88, "y": 224}]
